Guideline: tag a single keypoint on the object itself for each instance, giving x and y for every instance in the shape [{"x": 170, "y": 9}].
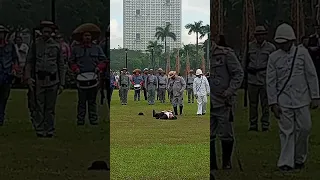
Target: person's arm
[
  {"x": 183, "y": 85},
  {"x": 236, "y": 71},
  {"x": 62, "y": 70},
  {"x": 271, "y": 81},
  {"x": 311, "y": 76},
  {"x": 73, "y": 61},
  {"x": 29, "y": 63},
  {"x": 102, "y": 59}
]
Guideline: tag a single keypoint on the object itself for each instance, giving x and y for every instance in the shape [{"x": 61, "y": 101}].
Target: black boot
[
  {"x": 213, "y": 156},
  {"x": 181, "y": 108},
  {"x": 153, "y": 113},
  {"x": 227, "y": 148},
  {"x": 175, "y": 109}
]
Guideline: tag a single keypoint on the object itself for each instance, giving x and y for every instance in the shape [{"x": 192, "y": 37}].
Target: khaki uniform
[
  {"x": 124, "y": 86},
  {"x": 295, "y": 120},
  {"x": 176, "y": 88},
  {"x": 256, "y": 68},
  {"x": 48, "y": 66},
  {"x": 163, "y": 81},
  {"x": 87, "y": 59},
  {"x": 226, "y": 76},
  {"x": 190, "y": 80},
  {"x": 151, "y": 86}
]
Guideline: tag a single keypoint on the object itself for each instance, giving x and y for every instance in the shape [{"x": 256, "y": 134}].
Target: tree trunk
[
  {"x": 165, "y": 49},
  {"x": 197, "y": 47}
]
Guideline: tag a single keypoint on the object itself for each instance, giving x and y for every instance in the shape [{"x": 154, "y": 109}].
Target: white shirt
[
  {"x": 303, "y": 85},
  {"x": 201, "y": 86}
]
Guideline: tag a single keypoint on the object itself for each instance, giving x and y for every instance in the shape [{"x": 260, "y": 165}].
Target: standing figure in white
[{"x": 201, "y": 90}]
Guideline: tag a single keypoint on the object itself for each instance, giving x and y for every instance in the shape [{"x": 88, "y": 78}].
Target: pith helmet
[
  {"x": 49, "y": 24},
  {"x": 3, "y": 29},
  {"x": 199, "y": 72},
  {"x": 284, "y": 33},
  {"x": 160, "y": 69},
  {"x": 260, "y": 30},
  {"x": 191, "y": 71},
  {"x": 124, "y": 69},
  {"x": 93, "y": 29}
]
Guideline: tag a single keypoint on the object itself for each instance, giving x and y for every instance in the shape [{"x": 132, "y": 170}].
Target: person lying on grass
[{"x": 164, "y": 115}]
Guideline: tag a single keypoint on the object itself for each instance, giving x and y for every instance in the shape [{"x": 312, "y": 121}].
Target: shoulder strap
[{"x": 290, "y": 75}]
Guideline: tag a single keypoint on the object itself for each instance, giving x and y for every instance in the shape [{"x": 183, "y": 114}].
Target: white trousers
[
  {"x": 202, "y": 104},
  {"x": 295, "y": 127}
]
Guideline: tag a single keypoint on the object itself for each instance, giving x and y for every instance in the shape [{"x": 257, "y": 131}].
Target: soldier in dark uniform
[
  {"x": 314, "y": 49},
  {"x": 8, "y": 68},
  {"x": 45, "y": 76},
  {"x": 145, "y": 77},
  {"x": 87, "y": 57},
  {"x": 226, "y": 77}
]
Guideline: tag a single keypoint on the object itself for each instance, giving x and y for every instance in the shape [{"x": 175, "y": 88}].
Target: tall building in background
[{"x": 141, "y": 17}]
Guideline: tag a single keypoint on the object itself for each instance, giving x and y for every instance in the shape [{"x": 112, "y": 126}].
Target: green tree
[
  {"x": 196, "y": 28},
  {"x": 163, "y": 34},
  {"x": 157, "y": 50}
]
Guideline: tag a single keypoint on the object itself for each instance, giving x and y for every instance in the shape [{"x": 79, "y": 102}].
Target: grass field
[
  {"x": 142, "y": 148},
  {"x": 65, "y": 157},
  {"x": 145, "y": 148}
]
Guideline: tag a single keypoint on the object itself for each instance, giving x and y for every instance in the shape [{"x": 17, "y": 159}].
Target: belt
[
  {"x": 124, "y": 85},
  {"x": 255, "y": 71},
  {"x": 43, "y": 74}
]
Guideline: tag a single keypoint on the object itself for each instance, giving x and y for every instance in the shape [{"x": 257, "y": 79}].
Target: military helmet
[
  {"x": 145, "y": 69},
  {"x": 124, "y": 69},
  {"x": 284, "y": 33},
  {"x": 3, "y": 29},
  {"x": 160, "y": 69},
  {"x": 260, "y": 30},
  {"x": 191, "y": 71},
  {"x": 49, "y": 24},
  {"x": 199, "y": 72}
]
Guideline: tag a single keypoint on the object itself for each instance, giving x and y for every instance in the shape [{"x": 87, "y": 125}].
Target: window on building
[
  {"x": 167, "y": 1},
  {"x": 137, "y": 36},
  {"x": 138, "y": 12}
]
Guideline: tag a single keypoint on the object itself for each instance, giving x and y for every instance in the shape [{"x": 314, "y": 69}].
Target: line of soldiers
[
  {"x": 44, "y": 74},
  {"x": 285, "y": 80},
  {"x": 155, "y": 85}
]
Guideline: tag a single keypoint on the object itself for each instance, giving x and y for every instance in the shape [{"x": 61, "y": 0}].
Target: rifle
[
  {"x": 245, "y": 101},
  {"x": 33, "y": 71}
]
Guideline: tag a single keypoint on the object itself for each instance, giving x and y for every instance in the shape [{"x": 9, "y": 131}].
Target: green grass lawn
[
  {"x": 145, "y": 148},
  {"x": 141, "y": 146},
  {"x": 23, "y": 156}
]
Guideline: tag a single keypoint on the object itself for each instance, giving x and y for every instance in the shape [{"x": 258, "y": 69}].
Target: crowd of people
[
  {"x": 42, "y": 67},
  {"x": 157, "y": 85},
  {"x": 282, "y": 76}
]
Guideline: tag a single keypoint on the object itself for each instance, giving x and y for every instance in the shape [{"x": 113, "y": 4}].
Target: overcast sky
[{"x": 192, "y": 10}]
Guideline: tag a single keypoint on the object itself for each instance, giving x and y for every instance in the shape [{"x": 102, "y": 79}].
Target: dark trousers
[
  {"x": 111, "y": 91},
  {"x": 87, "y": 98},
  {"x": 145, "y": 94},
  {"x": 45, "y": 109},
  {"x": 137, "y": 94},
  {"x": 4, "y": 96}
]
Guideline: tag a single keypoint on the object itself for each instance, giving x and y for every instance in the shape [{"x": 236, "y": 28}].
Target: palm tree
[
  {"x": 163, "y": 33},
  {"x": 206, "y": 31},
  {"x": 196, "y": 28},
  {"x": 157, "y": 50}
]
